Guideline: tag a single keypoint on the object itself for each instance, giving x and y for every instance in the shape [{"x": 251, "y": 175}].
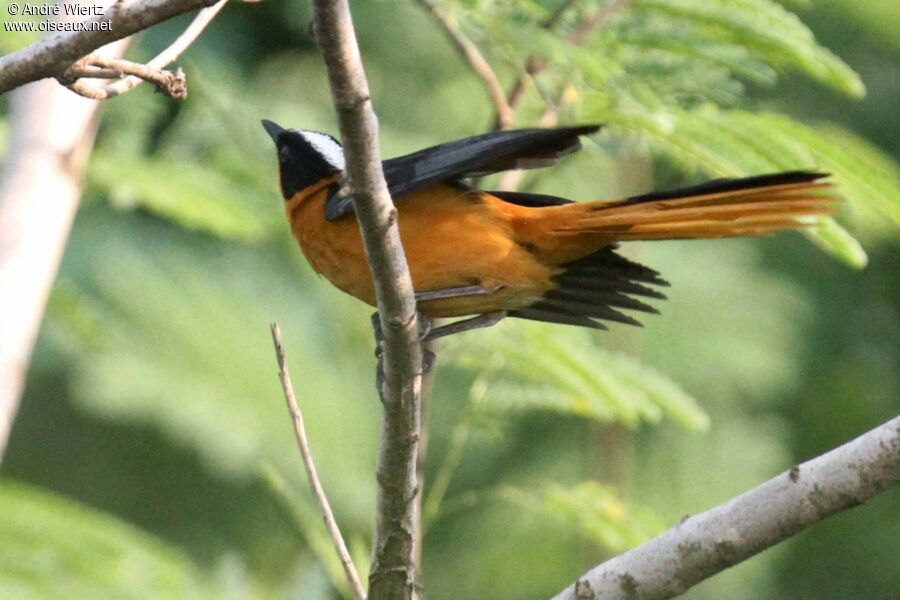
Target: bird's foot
[{"x": 481, "y": 321}]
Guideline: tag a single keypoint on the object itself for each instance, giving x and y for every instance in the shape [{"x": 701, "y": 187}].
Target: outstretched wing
[{"x": 470, "y": 157}]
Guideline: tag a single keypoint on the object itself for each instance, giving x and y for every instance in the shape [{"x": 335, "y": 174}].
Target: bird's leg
[
  {"x": 426, "y": 326},
  {"x": 456, "y": 292},
  {"x": 428, "y": 357},
  {"x": 428, "y": 332},
  {"x": 486, "y": 320}
]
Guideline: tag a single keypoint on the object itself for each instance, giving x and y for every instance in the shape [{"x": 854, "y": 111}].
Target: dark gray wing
[{"x": 470, "y": 157}]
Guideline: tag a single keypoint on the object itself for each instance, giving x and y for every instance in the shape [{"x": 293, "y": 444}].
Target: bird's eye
[{"x": 284, "y": 152}]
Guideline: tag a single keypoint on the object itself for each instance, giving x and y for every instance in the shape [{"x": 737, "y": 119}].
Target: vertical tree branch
[
  {"x": 418, "y": 519},
  {"x": 393, "y": 570},
  {"x": 306, "y": 455},
  {"x": 51, "y": 134},
  {"x": 708, "y": 543}
]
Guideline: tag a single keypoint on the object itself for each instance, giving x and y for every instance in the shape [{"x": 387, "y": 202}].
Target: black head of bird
[{"x": 304, "y": 157}]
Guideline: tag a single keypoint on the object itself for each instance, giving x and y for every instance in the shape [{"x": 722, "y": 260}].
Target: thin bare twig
[
  {"x": 703, "y": 545},
  {"x": 172, "y": 84},
  {"x": 303, "y": 445},
  {"x": 89, "y": 72},
  {"x": 469, "y": 51},
  {"x": 393, "y": 572}
]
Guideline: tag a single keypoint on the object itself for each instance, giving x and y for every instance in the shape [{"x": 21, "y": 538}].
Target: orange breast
[{"x": 452, "y": 238}]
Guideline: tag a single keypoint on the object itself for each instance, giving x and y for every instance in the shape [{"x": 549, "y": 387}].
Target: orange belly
[{"x": 451, "y": 239}]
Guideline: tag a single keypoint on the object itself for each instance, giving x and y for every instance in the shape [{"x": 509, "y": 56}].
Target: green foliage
[
  {"x": 308, "y": 521},
  {"x": 763, "y": 27},
  {"x": 594, "y": 511},
  {"x": 203, "y": 200},
  {"x": 54, "y": 548},
  {"x": 12, "y": 40},
  {"x": 185, "y": 346},
  {"x": 540, "y": 367},
  {"x": 731, "y": 328}
]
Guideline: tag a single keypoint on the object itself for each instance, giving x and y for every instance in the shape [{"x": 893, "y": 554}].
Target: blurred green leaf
[
  {"x": 865, "y": 175},
  {"x": 53, "y": 548},
  {"x": 594, "y": 511},
  {"x": 308, "y": 521},
  {"x": 540, "y": 367},
  {"x": 731, "y": 327},
  {"x": 13, "y": 39},
  {"x": 765, "y": 28},
  {"x": 836, "y": 240},
  {"x": 201, "y": 199}
]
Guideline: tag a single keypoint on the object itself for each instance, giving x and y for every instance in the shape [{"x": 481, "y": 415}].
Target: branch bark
[
  {"x": 393, "y": 566},
  {"x": 311, "y": 474},
  {"x": 50, "y": 137},
  {"x": 172, "y": 84},
  {"x": 706, "y": 544},
  {"x": 52, "y": 55}
]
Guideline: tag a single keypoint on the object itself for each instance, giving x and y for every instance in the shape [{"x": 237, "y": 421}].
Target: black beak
[{"x": 272, "y": 129}]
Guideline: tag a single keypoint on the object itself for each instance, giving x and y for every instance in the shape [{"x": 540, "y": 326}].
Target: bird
[{"x": 486, "y": 255}]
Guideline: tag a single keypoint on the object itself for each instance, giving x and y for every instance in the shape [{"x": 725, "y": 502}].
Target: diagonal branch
[
  {"x": 303, "y": 445},
  {"x": 52, "y": 55},
  {"x": 708, "y": 543},
  {"x": 393, "y": 567},
  {"x": 469, "y": 51}
]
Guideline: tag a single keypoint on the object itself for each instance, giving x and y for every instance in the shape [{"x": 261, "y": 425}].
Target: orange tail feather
[{"x": 722, "y": 208}]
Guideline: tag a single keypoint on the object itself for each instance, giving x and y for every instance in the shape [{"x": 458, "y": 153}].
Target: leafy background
[{"x": 153, "y": 456}]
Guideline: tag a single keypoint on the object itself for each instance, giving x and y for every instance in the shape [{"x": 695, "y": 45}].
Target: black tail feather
[
  {"x": 718, "y": 186},
  {"x": 591, "y": 290},
  {"x": 552, "y": 314}
]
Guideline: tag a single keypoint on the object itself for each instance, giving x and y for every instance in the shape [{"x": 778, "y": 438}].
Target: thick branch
[
  {"x": 393, "y": 569},
  {"x": 706, "y": 544},
  {"x": 306, "y": 454},
  {"x": 51, "y": 132},
  {"x": 54, "y": 54},
  {"x": 473, "y": 56}
]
